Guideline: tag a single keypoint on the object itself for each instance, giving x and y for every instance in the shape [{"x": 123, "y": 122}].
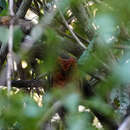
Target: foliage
[{"x": 82, "y": 44}]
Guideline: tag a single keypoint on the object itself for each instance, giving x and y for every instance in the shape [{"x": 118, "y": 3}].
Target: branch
[
  {"x": 24, "y": 84},
  {"x": 107, "y": 121},
  {"x": 127, "y": 47},
  {"x": 125, "y": 125},
  {"x": 23, "y": 8},
  {"x": 72, "y": 38},
  {"x": 71, "y": 31},
  {"x": 82, "y": 15},
  {"x": 10, "y": 47},
  {"x": 29, "y": 83}
]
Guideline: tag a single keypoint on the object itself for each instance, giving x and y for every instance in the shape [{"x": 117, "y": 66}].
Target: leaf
[
  {"x": 18, "y": 35},
  {"x": 2, "y": 4},
  {"x": 86, "y": 62},
  {"x": 4, "y": 34},
  {"x": 71, "y": 101},
  {"x": 53, "y": 46}
]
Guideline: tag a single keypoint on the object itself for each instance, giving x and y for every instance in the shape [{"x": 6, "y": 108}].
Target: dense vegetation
[{"x": 58, "y": 56}]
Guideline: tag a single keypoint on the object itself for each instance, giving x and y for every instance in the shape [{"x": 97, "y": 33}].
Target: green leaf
[
  {"x": 4, "y": 34},
  {"x": 2, "y": 4},
  {"x": 71, "y": 101},
  {"x": 18, "y": 35},
  {"x": 53, "y": 42}
]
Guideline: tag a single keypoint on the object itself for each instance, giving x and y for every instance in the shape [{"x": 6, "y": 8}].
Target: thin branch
[
  {"x": 82, "y": 15},
  {"x": 51, "y": 111},
  {"x": 23, "y": 8},
  {"x": 35, "y": 10},
  {"x": 72, "y": 38},
  {"x": 121, "y": 46},
  {"x": 71, "y": 31},
  {"x": 37, "y": 7},
  {"x": 125, "y": 125},
  {"x": 102, "y": 62},
  {"x": 112, "y": 57}
]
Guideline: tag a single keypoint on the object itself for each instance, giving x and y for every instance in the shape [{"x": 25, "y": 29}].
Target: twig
[
  {"x": 72, "y": 38},
  {"x": 83, "y": 16},
  {"x": 102, "y": 62},
  {"x": 71, "y": 31},
  {"x": 112, "y": 57},
  {"x": 122, "y": 47},
  {"x": 23, "y": 8},
  {"x": 51, "y": 111}
]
